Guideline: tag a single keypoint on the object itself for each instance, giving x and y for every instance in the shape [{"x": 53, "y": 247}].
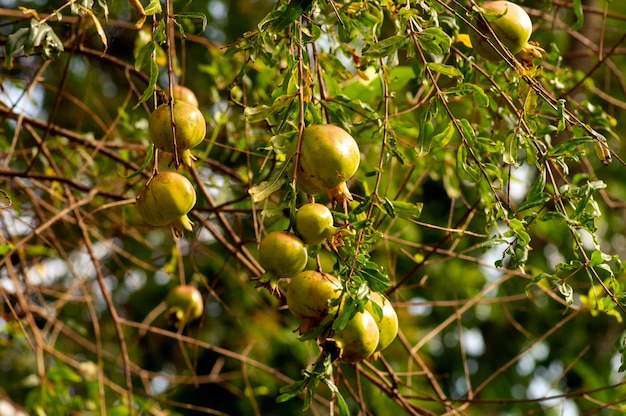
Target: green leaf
[
  {"x": 376, "y": 277},
  {"x": 537, "y": 200},
  {"x": 538, "y": 185},
  {"x": 447, "y": 70},
  {"x": 569, "y": 147},
  {"x": 145, "y": 164},
  {"x": 597, "y": 257},
  {"x": 154, "y": 7},
  {"x": 561, "y": 122},
  {"x": 388, "y": 207},
  {"x": 407, "y": 210},
  {"x": 346, "y": 312},
  {"x": 27, "y": 39},
  {"x": 535, "y": 280},
  {"x": 262, "y": 112},
  {"x": 263, "y": 190},
  {"x": 294, "y": 10},
  {"x": 466, "y": 170},
  {"x": 194, "y": 15},
  {"x": 566, "y": 291},
  {"x": 290, "y": 391},
  {"x": 145, "y": 55},
  {"x": 15, "y": 42},
  {"x": 341, "y": 402},
  {"x": 385, "y": 47},
  {"x": 578, "y": 12},
  {"x": 441, "y": 139},
  {"x": 434, "y": 40},
  {"x": 478, "y": 94},
  {"x": 510, "y": 149},
  {"x": 154, "y": 75},
  {"x": 5, "y": 248}
]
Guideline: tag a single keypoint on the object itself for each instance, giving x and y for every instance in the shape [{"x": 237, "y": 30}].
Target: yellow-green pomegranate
[
  {"x": 314, "y": 223},
  {"x": 358, "y": 339},
  {"x": 184, "y": 304},
  {"x": 165, "y": 200},
  {"x": 329, "y": 157},
  {"x": 190, "y": 129},
  {"x": 388, "y": 321},
  {"x": 511, "y": 25},
  {"x": 282, "y": 255},
  {"x": 309, "y": 297}
]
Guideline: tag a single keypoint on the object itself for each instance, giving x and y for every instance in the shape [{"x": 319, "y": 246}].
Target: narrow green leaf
[
  {"x": 537, "y": 200},
  {"x": 154, "y": 75},
  {"x": 263, "y": 190},
  {"x": 538, "y": 185},
  {"x": 154, "y": 7},
  {"x": 145, "y": 164},
  {"x": 441, "y": 139},
  {"x": 15, "y": 43},
  {"x": 510, "y": 149},
  {"x": 535, "y": 280},
  {"x": 145, "y": 55},
  {"x": 597, "y": 257},
  {"x": 578, "y": 12},
  {"x": 385, "y": 47},
  {"x": 344, "y": 410},
  {"x": 447, "y": 70},
  {"x": 5, "y": 248},
  {"x": 262, "y": 112},
  {"x": 388, "y": 207},
  {"x": 478, "y": 94},
  {"x": 561, "y": 122},
  {"x": 569, "y": 147},
  {"x": 408, "y": 210}
]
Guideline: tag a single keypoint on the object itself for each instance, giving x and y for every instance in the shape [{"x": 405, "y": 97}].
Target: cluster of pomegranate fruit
[
  {"x": 313, "y": 296},
  {"x": 329, "y": 156},
  {"x": 167, "y": 197}
]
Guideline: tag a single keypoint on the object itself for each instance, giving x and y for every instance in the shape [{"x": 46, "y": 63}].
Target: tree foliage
[{"x": 488, "y": 206}]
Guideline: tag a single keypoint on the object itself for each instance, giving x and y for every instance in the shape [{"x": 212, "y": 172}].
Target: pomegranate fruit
[
  {"x": 388, "y": 322},
  {"x": 309, "y": 295},
  {"x": 329, "y": 157},
  {"x": 282, "y": 255},
  {"x": 184, "y": 304},
  {"x": 190, "y": 129},
  {"x": 314, "y": 223},
  {"x": 165, "y": 200},
  {"x": 358, "y": 339},
  {"x": 511, "y": 25},
  {"x": 185, "y": 94}
]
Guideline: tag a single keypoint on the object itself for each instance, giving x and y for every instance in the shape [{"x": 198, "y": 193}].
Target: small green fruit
[
  {"x": 282, "y": 255},
  {"x": 314, "y": 223},
  {"x": 184, "y": 304}
]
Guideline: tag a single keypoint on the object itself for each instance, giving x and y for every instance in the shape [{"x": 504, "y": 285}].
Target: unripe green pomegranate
[
  {"x": 314, "y": 223},
  {"x": 165, "y": 200},
  {"x": 511, "y": 25},
  {"x": 329, "y": 157},
  {"x": 358, "y": 339},
  {"x": 282, "y": 255},
  {"x": 184, "y": 304},
  {"x": 190, "y": 129},
  {"x": 309, "y": 295},
  {"x": 388, "y": 322}
]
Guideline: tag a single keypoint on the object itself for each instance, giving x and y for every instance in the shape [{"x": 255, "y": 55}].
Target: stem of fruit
[
  {"x": 170, "y": 52},
  {"x": 301, "y": 125}
]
